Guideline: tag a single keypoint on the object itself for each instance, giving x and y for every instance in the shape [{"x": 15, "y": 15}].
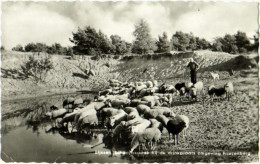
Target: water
[{"x": 27, "y": 136}]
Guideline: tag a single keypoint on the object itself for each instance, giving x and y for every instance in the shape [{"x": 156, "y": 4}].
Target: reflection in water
[{"x": 30, "y": 114}]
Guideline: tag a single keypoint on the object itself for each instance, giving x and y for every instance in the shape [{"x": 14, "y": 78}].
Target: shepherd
[{"x": 193, "y": 70}]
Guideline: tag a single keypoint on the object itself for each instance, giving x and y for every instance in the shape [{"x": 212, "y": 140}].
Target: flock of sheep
[{"x": 134, "y": 113}]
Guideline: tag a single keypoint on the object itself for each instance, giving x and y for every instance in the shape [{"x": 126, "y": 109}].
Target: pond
[{"x": 27, "y": 135}]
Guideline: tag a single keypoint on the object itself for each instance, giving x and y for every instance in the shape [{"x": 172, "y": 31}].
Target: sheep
[
  {"x": 175, "y": 126},
  {"x": 57, "y": 113},
  {"x": 107, "y": 112},
  {"x": 145, "y": 92},
  {"x": 215, "y": 76},
  {"x": 163, "y": 119},
  {"x": 143, "y": 108},
  {"x": 68, "y": 103},
  {"x": 156, "y": 124},
  {"x": 211, "y": 91},
  {"x": 132, "y": 115},
  {"x": 155, "y": 89},
  {"x": 195, "y": 89},
  {"x": 130, "y": 109},
  {"x": 145, "y": 103},
  {"x": 229, "y": 89},
  {"x": 186, "y": 120},
  {"x": 155, "y": 83},
  {"x": 165, "y": 111},
  {"x": 77, "y": 102},
  {"x": 178, "y": 86},
  {"x": 154, "y": 100},
  {"x": 69, "y": 117},
  {"x": 185, "y": 89},
  {"x": 140, "y": 84},
  {"x": 149, "y": 84},
  {"x": 89, "y": 120},
  {"x": 85, "y": 112},
  {"x": 162, "y": 88},
  {"x": 139, "y": 88},
  {"x": 170, "y": 89},
  {"x": 116, "y": 119},
  {"x": 140, "y": 127},
  {"x": 117, "y": 131},
  {"x": 135, "y": 102},
  {"x": 105, "y": 92},
  {"x": 147, "y": 136},
  {"x": 118, "y": 103},
  {"x": 114, "y": 81},
  {"x": 153, "y": 113},
  {"x": 217, "y": 91},
  {"x": 133, "y": 122}
]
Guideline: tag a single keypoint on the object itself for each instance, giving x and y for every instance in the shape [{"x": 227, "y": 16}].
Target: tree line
[{"x": 89, "y": 41}]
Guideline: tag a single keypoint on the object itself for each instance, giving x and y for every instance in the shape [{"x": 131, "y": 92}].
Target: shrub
[
  {"x": 2, "y": 48},
  {"x": 37, "y": 68},
  {"x": 18, "y": 47}
]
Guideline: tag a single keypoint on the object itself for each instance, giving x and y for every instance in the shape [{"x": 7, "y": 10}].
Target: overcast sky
[{"x": 49, "y": 22}]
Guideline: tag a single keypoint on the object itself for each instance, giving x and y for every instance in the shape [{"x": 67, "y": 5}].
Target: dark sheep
[
  {"x": 178, "y": 86},
  {"x": 175, "y": 127}
]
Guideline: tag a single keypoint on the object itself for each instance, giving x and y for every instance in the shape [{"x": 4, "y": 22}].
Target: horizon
[{"x": 204, "y": 19}]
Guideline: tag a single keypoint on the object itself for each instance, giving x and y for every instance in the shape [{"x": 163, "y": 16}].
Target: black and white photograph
[{"x": 129, "y": 81}]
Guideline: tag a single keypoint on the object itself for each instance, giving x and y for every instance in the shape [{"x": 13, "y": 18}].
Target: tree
[
  {"x": 91, "y": 42},
  {"x": 193, "y": 43},
  {"x": 163, "y": 44},
  {"x": 217, "y": 45},
  {"x": 119, "y": 46},
  {"x": 105, "y": 44},
  {"x": 242, "y": 41},
  {"x": 143, "y": 41},
  {"x": 85, "y": 41},
  {"x": 180, "y": 41},
  {"x": 202, "y": 43},
  {"x": 30, "y": 47},
  {"x": 18, "y": 47}
]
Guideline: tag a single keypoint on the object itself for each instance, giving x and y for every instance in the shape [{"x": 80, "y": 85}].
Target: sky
[{"x": 50, "y": 22}]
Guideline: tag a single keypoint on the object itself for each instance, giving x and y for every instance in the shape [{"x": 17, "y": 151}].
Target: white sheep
[
  {"x": 143, "y": 108},
  {"x": 229, "y": 89},
  {"x": 116, "y": 119},
  {"x": 165, "y": 111},
  {"x": 79, "y": 116},
  {"x": 149, "y": 84},
  {"x": 147, "y": 136},
  {"x": 156, "y": 124},
  {"x": 89, "y": 120},
  {"x": 215, "y": 76},
  {"x": 155, "y": 83},
  {"x": 130, "y": 109},
  {"x": 132, "y": 115},
  {"x": 195, "y": 89},
  {"x": 119, "y": 103},
  {"x": 135, "y": 121},
  {"x": 57, "y": 113},
  {"x": 140, "y": 127},
  {"x": 163, "y": 119}
]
